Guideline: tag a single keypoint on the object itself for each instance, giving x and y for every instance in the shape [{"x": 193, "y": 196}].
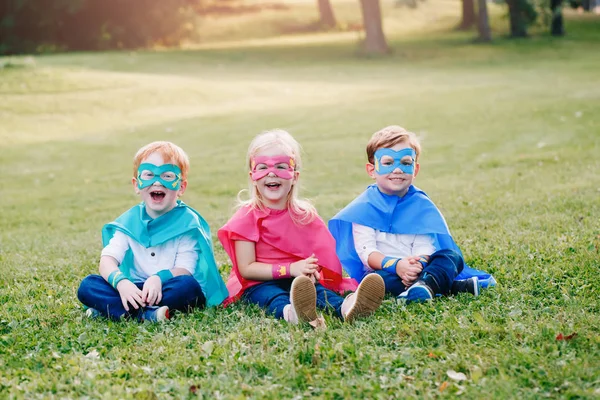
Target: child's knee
[
  {"x": 189, "y": 285},
  {"x": 87, "y": 285},
  {"x": 452, "y": 256}
]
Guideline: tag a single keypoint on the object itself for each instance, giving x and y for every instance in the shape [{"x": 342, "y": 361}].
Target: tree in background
[
  {"x": 521, "y": 14},
  {"x": 556, "y": 24},
  {"x": 468, "y": 15},
  {"x": 32, "y": 25},
  {"x": 483, "y": 24},
  {"x": 326, "y": 13},
  {"x": 374, "y": 42}
]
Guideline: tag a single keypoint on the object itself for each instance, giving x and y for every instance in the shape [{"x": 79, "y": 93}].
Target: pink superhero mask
[{"x": 281, "y": 166}]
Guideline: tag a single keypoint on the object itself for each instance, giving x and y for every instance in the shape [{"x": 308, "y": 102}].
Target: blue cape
[
  {"x": 413, "y": 214},
  {"x": 182, "y": 219}
]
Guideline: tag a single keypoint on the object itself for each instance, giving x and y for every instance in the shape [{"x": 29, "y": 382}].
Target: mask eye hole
[
  {"x": 147, "y": 175},
  {"x": 387, "y": 160},
  {"x": 168, "y": 176},
  {"x": 260, "y": 167},
  {"x": 407, "y": 160}
]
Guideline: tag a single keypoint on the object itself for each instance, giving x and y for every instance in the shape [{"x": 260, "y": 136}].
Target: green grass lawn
[{"x": 511, "y": 138}]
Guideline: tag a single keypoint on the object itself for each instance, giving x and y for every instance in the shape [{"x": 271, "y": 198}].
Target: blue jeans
[
  {"x": 444, "y": 266},
  {"x": 178, "y": 293},
  {"x": 275, "y": 295}
]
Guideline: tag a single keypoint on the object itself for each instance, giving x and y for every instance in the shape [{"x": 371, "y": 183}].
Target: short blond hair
[
  {"x": 389, "y": 137},
  {"x": 171, "y": 154}
]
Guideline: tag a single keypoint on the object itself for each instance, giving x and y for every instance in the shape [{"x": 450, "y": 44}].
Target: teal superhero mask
[
  {"x": 383, "y": 169},
  {"x": 168, "y": 175},
  {"x": 181, "y": 220}
]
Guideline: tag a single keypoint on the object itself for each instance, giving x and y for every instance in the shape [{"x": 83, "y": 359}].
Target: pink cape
[{"x": 279, "y": 240}]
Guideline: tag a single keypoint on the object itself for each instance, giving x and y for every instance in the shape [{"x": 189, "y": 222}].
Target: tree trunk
[
  {"x": 374, "y": 38},
  {"x": 326, "y": 13},
  {"x": 556, "y": 27},
  {"x": 483, "y": 23},
  {"x": 518, "y": 27},
  {"x": 468, "y": 15}
]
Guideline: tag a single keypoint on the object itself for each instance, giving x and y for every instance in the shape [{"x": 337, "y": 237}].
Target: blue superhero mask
[
  {"x": 399, "y": 161},
  {"x": 168, "y": 175}
]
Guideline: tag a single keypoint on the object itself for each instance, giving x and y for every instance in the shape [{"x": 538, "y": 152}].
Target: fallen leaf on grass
[
  {"x": 208, "y": 347},
  {"x": 431, "y": 355},
  {"x": 93, "y": 354},
  {"x": 457, "y": 376},
  {"x": 569, "y": 337},
  {"x": 443, "y": 386}
]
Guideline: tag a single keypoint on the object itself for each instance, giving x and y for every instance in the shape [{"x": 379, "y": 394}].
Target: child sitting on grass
[
  {"x": 395, "y": 230},
  {"x": 157, "y": 256},
  {"x": 282, "y": 253}
]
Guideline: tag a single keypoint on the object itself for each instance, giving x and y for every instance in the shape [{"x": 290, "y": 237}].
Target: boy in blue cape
[
  {"x": 395, "y": 230},
  {"x": 157, "y": 256}
]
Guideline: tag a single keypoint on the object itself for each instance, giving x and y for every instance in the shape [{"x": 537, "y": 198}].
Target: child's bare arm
[
  {"x": 107, "y": 265},
  {"x": 249, "y": 268},
  {"x": 407, "y": 269}
]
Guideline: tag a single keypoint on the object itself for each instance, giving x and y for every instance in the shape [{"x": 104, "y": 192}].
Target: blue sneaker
[
  {"x": 419, "y": 292},
  {"x": 92, "y": 313},
  {"x": 154, "y": 314}
]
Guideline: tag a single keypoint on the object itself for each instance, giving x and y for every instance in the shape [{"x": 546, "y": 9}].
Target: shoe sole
[
  {"x": 303, "y": 297},
  {"x": 416, "y": 294},
  {"x": 369, "y": 296},
  {"x": 475, "y": 286}
]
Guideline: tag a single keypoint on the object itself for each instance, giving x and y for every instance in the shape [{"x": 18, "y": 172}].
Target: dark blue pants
[
  {"x": 179, "y": 293},
  {"x": 444, "y": 266},
  {"x": 275, "y": 295}
]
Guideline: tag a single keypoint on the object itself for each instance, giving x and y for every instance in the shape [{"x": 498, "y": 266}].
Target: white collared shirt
[
  {"x": 368, "y": 240},
  {"x": 181, "y": 252}
]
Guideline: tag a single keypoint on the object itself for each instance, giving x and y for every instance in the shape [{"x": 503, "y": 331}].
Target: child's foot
[
  {"x": 92, "y": 313},
  {"x": 365, "y": 300},
  {"x": 470, "y": 285},
  {"x": 419, "y": 292},
  {"x": 154, "y": 314},
  {"x": 303, "y": 298}
]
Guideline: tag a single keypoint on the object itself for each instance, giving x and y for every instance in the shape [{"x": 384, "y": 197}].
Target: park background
[{"x": 510, "y": 127}]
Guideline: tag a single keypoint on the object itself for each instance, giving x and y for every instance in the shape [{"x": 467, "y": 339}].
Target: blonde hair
[
  {"x": 301, "y": 210},
  {"x": 389, "y": 137},
  {"x": 171, "y": 154}
]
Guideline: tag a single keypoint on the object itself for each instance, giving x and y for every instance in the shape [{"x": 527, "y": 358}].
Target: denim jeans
[
  {"x": 444, "y": 266},
  {"x": 275, "y": 295},
  {"x": 178, "y": 293}
]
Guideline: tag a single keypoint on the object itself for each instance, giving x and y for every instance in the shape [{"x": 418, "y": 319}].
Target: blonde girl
[{"x": 283, "y": 256}]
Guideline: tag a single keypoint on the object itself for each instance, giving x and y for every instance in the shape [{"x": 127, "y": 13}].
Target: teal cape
[
  {"x": 181, "y": 220},
  {"x": 413, "y": 214}
]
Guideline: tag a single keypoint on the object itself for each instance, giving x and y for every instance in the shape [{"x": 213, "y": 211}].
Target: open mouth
[
  {"x": 157, "y": 195},
  {"x": 273, "y": 185}
]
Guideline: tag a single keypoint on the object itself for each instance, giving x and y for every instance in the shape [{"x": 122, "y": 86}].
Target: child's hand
[
  {"x": 152, "y": 291},
  {"x": 130, "y": 294},
  {"x": 413, "y": 259},
  {"x": 315, "y": 277},
  {"x": 306, "y": 267},
  {"x": 408, "y": 271}
]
